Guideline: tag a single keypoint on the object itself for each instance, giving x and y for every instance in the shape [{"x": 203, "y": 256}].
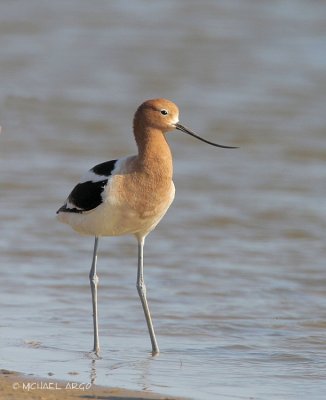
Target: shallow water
[{"x": 236, "y": 270}]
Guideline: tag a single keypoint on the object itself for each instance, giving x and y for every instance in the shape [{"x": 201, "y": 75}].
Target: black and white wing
[{"x": 87, "y": 194}]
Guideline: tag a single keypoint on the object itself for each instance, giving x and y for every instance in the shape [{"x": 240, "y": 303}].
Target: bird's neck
[{"x": 154, "y": 154}]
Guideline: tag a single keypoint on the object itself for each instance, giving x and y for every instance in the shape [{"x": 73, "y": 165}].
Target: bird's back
[{"x": 118, "y": 197}]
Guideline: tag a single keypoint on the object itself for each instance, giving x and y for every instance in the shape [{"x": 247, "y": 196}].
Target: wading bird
[{"x": 129, "y": 195}]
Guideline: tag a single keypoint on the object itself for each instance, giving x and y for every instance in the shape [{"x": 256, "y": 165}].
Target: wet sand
[{"x": 14, "y": 385}]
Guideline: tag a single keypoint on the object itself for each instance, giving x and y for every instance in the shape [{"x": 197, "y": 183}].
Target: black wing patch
[
  {"x": 104, "y": 169},
  {"x": 85, "y": 197},
  {"x": 88, "y": 195}
]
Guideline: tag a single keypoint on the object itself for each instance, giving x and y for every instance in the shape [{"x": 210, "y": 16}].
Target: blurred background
[{"x": 236, "y": 270}]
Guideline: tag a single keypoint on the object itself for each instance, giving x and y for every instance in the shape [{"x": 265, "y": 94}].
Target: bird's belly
[{"x": 116, "y": 218}]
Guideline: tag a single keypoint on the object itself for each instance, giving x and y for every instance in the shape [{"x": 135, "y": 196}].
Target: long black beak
[{"x": 189, "y": 132}]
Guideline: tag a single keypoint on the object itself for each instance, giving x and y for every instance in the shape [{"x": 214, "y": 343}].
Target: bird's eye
[{"x": 164, "y": 112}]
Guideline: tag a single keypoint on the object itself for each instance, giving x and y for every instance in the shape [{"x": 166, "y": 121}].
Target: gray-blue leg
[
  {"x": 93, "y": 279},
  {"x": 141, "y": 288}
]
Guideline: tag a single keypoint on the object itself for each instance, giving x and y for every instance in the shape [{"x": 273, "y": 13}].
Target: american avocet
[{"x": 129, "y": 195}]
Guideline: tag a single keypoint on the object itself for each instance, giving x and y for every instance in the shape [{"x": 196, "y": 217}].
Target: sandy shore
[{"x": 15, "y": 386}]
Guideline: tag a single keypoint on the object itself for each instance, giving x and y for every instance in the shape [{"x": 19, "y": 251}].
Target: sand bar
[{"x": 15, "y": 386}]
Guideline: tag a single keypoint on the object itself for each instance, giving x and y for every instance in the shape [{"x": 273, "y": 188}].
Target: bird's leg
[
  {"x": 93, "y": 279},
  {"x": 141, "y": 288}
]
